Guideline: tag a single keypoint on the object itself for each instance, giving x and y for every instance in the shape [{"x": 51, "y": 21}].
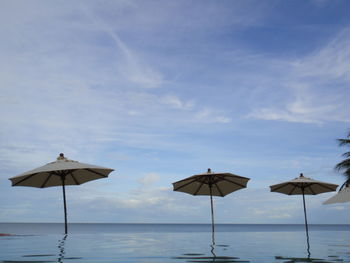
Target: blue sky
[{"x": 162, "y": 90}]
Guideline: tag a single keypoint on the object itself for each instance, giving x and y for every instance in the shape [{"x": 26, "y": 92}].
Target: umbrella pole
[
  {"x": 212, "y": 216},
  {"x": 306, "y": 225},
  {"x": 65, "y": 205}
]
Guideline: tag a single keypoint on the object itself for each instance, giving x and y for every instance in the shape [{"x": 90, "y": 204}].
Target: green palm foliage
[{"x": 344, "y": 166}]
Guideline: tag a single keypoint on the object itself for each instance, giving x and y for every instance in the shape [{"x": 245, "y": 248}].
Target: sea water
[{"x": 151, "y": 243}]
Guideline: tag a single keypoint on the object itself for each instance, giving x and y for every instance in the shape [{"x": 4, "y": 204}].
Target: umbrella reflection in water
[
  {"x": 304, "y": 186},
  {"x": 212, "y": 184},
  {"x": 61, "y": 249}
]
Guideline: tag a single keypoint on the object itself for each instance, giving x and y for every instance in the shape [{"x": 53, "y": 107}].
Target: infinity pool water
[{"x": 146, "y": 243}]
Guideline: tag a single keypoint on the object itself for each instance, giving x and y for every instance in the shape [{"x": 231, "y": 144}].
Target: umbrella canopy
[
  {"x": 212, "y": 184},
  {"x": 342, "y": 196},
  {"x": 61, "y": 172},
  {"x": 303, "y": 186},
  {"x": 51, "y": 174}
]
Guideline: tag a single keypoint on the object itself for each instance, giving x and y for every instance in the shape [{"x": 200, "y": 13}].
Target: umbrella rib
[
  {"x": 189, "y": 178},
  {"x": 46, "y": 180},
  {"x": 312, "y": 191},
  {"x": 175, "y": 189},
  {"x": 217, "y": 187},
  {"x": 279, "y": 187},
  {"x": 325, "y": 186},
  {"x": 75, "y": 179},
  {"x": 200, "y": 186},
  {"x": 24, "y": 179},
  {"x": 92, "y": 171},
  {"x": 225, "y": 179},
  {"x": 295, "y": 186}
]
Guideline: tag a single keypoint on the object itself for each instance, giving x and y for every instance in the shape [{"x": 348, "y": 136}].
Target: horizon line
[{"x": 135, "y": 223}]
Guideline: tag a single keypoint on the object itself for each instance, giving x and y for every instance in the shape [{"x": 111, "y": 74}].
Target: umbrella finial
[
  {"x": 209, "y": 171},
  {"x": 61, "y": 157},
  {"x": 301, "y": 175}
]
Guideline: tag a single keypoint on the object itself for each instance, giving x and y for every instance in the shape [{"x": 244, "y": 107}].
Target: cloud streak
[
  {"x": 317, "y": 84},
  {"x": 162, "y": 90}
]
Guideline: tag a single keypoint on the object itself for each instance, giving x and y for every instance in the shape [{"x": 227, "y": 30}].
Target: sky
[{"x": 162, "y": 90}]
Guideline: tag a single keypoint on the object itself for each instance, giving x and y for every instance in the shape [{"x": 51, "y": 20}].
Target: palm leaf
[
  {"x": 343, "y": 142},
  {"x": 345, "y": 164},
  {"x": 347, "y": 175}
]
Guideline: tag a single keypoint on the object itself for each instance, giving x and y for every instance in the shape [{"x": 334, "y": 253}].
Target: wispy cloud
[
  {"x": 76, "y": 94},
  {"x": 149, "y": 179},
  {"x": 134, "y": 69},
  {"x": 330, "y": 63},
  {"x": 158, "y": 86},
  {"x": 175, "y": 102},
  {"x": 207, "y": 115},
  {"x": 317, "y": 85}
]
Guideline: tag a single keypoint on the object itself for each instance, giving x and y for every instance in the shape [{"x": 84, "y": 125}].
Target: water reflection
[
  {"x": 198, "y": 257},
  {"x": 212, "y": 250},
  {"x": 206, "y": 259},
  {"x": 61, "y": 249},
  {"x": 257, "y": 247},
  {"x": 308, "y": 244},
  {"x": 330, "y": 259},
  {"x": 45, "y": 255},
  {"x": 60, "y": 258},
  {"x": 61, "y": 254},
  {"x": 25, "y": 261}
]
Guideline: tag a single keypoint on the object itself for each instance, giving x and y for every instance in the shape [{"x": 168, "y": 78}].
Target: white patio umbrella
[
  {"x": 342, "y": 196},
  {"x": 61, "y": 172},
  {"x": 212, "y": 184},
  {"x": 303, "y": 186}
]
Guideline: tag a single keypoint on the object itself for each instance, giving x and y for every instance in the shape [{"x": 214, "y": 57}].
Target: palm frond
[
  {"x": 343, "y": 165},
  {"x": 347, "y": 175},
  {"x": 343, "y": 142},
  {"x": 346, "y": 155}
]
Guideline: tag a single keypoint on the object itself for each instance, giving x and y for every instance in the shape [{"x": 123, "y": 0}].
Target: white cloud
[
  {"x": 307, "y": 107},
  {"x": 317, "y": 84},
  {"x": 135, "y": 70},
  {"x": 149, "y": 179},
  {"x": 207, "y": 115},
  {"x": 176, "y": 103},
  {"x": 92, "y": 80},
  {"x": 330, "y": 62},
  {"x": 280, "y": 115},
  {"x": 72, "y": 83}
]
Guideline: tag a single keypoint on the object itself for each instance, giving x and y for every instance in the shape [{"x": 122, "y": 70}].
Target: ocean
[{"x": 152, "y": 243}]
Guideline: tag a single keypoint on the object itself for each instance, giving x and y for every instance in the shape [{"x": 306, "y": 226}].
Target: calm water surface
[{"x": 148, "y": 243}]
